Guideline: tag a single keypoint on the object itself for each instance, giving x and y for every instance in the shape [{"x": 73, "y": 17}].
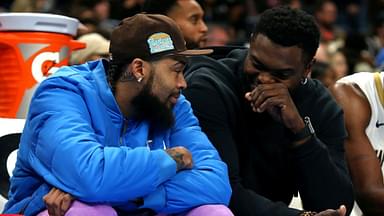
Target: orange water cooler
[{"x": 32, "y": 46}]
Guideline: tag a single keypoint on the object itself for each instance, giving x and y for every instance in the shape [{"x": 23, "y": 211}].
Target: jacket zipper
[{"x": 123, "y": 130}]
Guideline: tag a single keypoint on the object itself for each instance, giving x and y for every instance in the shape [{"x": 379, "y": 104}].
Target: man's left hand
[{"x": 57, "y": 202}]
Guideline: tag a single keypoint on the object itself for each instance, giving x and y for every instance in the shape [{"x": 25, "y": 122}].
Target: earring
[
  {"x": 139, "y": 79},
  {"x": 304, "y": 81}
]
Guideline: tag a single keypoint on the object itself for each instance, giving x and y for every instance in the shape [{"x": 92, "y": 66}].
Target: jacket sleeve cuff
[
  {"x": 155, "y": 200},
  {"x": 307, "y": 148},
  {"x": 166, "y": 164}
]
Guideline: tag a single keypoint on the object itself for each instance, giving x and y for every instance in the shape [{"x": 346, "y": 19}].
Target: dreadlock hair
[
  {"x": 117, "y": 71},
  {"x": 290, "y": 27}
]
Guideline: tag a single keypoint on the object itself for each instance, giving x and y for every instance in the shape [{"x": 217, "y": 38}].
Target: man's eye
[
  {"x": 179, "y": 69},
  {"x": 194, "y": 20},
  {"x": 257, "y": 66},
  {"x": 282, "y": 74}
]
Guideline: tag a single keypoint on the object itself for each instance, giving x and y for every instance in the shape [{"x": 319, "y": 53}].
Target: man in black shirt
[{"x": 279, "y": 132}]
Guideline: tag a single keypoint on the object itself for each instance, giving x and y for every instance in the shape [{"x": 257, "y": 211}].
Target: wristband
[{"x": 305, "y": 132}]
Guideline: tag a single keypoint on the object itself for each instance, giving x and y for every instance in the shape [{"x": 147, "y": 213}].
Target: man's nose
[
  {"x": 203, "y": 27},
  {"x": 265, "y": 78},
  {"x": 181, "y": 83}
]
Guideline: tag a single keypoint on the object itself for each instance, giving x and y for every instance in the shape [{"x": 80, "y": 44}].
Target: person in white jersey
[{"x": 361, "y": 96}]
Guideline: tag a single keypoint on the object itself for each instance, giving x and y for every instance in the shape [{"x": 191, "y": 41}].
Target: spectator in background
[
  {"x": 88, "y": 19},
  {"x": 279, "y": 131},
  {"x": 339, "y": 64},
  {"x": 236, "y": 18},
  {"x": 322, "y": 53},
  {"x": 96, "y": 14},
  {"x": 218, "y": 35},
  {"x": 324, "y": 72},
  {"x": 376, "y": 41},
  {"x": 358, "y": 57},
  {"x": 331, "y": 35},
  {"x": 102, "y": 11},
  {"x": 188, "y": 15},
  {"x": 326, "y": 15},
  {"x": 5, "y": 5},
  {"x": 352, "y": 15},
  {"x": 379, "y": 60},
  {"x": 125, "y": 8},
  {"x": 238, "y": 15},
  {"x": 96, "y": 47},
  {"x": 41, "y": 6}
]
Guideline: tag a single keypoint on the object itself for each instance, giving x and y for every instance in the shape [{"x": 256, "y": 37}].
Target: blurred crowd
[{"x": 352, "y": 31}]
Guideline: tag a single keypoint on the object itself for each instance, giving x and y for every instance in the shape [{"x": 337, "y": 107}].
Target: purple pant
[{"x": 79, "y": 208}]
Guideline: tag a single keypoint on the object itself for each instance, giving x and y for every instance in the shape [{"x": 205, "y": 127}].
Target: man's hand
[
  {"x": 276, "y": 100},
  {"x": 330, "y": 212},
  {"x": 182, "y": 157},
  {"x": 57, "y": 202}
]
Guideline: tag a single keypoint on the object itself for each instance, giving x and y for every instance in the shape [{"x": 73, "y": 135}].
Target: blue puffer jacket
[{"x": 77, "y": 140}]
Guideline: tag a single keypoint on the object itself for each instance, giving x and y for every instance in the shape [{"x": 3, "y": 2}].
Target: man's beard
[
  {"x": 149, "y": 107},
  {"x": 191, "y": 45}
]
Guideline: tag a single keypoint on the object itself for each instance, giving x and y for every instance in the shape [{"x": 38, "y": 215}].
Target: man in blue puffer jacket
[{"x": 118, "y": 136}]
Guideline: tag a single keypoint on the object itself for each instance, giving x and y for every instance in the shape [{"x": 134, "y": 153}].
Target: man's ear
[
  {"x": 308, "y": 67},
  {"x": 137, "y": 67}
]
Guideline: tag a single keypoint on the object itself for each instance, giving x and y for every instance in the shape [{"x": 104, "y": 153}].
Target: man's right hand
[
  {"x": 182, "y": 157},
  {"x": 57, "y": 202},
  {"x": 330, "y": 212}
]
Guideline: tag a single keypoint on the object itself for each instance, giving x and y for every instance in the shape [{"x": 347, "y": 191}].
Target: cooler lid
[{"x": 41, "y": 22}]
